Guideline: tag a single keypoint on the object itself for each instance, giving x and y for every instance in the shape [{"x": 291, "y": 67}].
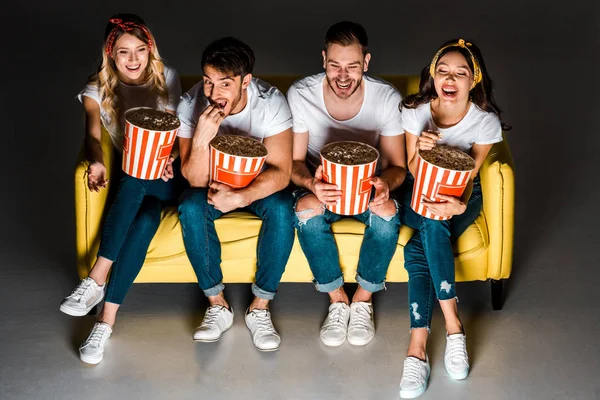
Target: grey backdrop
[{"x": 542, "y": 57}]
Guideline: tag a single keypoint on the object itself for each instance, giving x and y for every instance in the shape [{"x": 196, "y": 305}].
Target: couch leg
[{"x": 497, "y": 296}]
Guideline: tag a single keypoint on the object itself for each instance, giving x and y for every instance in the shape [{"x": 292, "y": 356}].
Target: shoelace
[
  {"x": 457, "y": 349},
  {"x": 264, "y": 326},
  {"x": 212, "y": 316},
  {"x": 99, "y": 332},
  {"x": 361, "y": 319},
  {"x": 412, "y": 366},
  {"x": 81, "y": 292},
  {"x": 335, "y": 318}
]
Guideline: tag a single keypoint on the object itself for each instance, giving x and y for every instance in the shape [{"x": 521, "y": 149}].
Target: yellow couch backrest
[{"x": 406, "y": 84}]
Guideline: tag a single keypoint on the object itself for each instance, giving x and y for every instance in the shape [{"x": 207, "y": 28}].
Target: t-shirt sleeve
[
  {"x": 279, "y": 115},
  {"x": 90, "y": 91},
  {"x": 392, "y": 124},
  {"x": 490, "y": 131},
  {"x": 185, "y": 113},
  {"x": 410, "y": 121},
  {"x": 299, "y": 124},
  {"x": 174, "y": 89}
]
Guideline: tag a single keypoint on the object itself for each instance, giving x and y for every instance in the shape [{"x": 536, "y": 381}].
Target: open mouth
[
  {"x": 221, "y": 103},
  {"x": 133, "y": 68},
  {"x": 450, "y": 91},
  {"x": 343, "y": 85}
]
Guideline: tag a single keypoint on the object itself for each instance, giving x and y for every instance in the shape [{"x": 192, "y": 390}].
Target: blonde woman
[{"x": 131, "y": 74}]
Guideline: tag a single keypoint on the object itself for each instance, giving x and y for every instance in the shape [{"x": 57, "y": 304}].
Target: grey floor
[{"x": 544, "y": 343}]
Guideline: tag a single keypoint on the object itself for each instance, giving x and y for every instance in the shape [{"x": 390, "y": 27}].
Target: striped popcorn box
[
  {"x": 353, "y": 181},
  {"x": 146, "y": 151},
  {"x": 431, "y": 181},
  {"x": 234, "y": 170}
]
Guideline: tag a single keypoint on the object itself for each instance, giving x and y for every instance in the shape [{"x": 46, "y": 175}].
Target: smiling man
[
  {"x": 229, "y": 101},
  {"x": 345, "y": 104}
]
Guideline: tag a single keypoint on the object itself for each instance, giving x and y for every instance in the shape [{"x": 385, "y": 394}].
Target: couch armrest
[
  {"x": 89, "y": 208},
  {"x": 498, "y": 187}
]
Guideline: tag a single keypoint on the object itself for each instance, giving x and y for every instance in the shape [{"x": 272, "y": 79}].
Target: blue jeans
[
  {"x": 203, "y": 247},
  {"x": 428, "y": 256},
  {"x": 318, "y": 244},
  {"x": 130, "y": 225}
]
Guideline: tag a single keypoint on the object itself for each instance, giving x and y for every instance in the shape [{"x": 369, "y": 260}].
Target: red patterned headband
[{"x": 127, "y": 27}]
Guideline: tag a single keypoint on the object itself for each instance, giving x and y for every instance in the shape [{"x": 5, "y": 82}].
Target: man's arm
[
  {"x": 195, "y": 152},
  {"x": 276, "y": 176},
  {"x": 301, "y": 176}
]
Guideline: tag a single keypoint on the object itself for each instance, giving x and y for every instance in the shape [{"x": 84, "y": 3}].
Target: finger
[
  {"x": 209, "y": 109},
  {"x": 330, "y": 198},
  {"x": 319, "y": 173},
  {"x": 431, "y": 136},
  {"x": 447, "y": 198},
  {"x": 326, "y": 186},
  {"x": 375, "y": 181}
]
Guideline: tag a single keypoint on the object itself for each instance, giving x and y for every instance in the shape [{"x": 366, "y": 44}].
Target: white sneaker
[
  {"x": 264, "y": 335},
  {"x": 415, "y": 377},
  {"x": 335, "y": 326},
  {"x": 92, "y": 350},
  {"x": 456, "y": 358},
  {"x": 85, "y": 296},
  {"x": 361, "y": 329},
  {"x": 217, "y": 320}
]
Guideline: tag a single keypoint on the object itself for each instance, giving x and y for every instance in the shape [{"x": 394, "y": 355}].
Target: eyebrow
[
  {"x": 460, "y": 66},
  {"x": 225, "y": 78},
  {"x": 337, "y": 62}
]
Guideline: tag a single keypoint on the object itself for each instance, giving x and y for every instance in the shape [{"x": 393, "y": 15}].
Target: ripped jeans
[
  {"x": 428, "y": 256},
  {"x": 319, "y": 247}
]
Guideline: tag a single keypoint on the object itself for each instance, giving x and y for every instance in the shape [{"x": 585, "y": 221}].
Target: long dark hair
[{"x": 481, "y": 94}]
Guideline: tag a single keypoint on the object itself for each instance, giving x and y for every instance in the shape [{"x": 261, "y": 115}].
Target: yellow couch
[{"x": 483, "y": 252}]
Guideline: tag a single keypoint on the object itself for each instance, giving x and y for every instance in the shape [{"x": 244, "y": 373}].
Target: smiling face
[
  {"x": 453, "y": 78},
  {"x": 344, "y": 68},
  {"x": 130, "y": 55},
  {"x": 225, "y": 90}
]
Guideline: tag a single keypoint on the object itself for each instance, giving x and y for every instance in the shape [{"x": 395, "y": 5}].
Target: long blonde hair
[{"x": 106, "y": 78}]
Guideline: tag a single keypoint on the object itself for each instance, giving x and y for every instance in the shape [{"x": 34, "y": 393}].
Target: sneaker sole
[
  {"x": 458, "y": 376},
  {"x": 79, "y": 313},
  {"x": 332, "y": 343},
  {"x": 411, "y": 394},
  {"x": 360, "y": 342},
  {"x": 212, "y": 340},
  {"x": 267, "y": 350},
  {"x": 90, "y": 360}
]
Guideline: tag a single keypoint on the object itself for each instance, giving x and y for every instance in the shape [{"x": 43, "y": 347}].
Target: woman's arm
[{"x": 93, "y": 145}]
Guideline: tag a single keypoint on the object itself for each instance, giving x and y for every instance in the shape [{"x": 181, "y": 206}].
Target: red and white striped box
[
  {"x": 146, "y": 152},
  {"x": 432, "y": 181},
  {"x": 353, "y": 181},
  {"x": 235, "y": 171}
]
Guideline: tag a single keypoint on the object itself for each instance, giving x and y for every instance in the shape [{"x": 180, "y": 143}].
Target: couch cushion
[{"x": 239, "y": 231}]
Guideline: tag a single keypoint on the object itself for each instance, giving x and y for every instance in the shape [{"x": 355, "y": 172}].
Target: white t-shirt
[
  {"x": 379, "y": 115},
  {"x": 266, "y": 113},
  {"x": 476, "y": 127},
  {"x": 134, "y": 96}
]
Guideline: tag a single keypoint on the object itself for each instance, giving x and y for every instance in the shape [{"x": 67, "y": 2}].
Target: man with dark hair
[
  {"x": 338, "y": 105},
  {"x": 229, "y": 101}
]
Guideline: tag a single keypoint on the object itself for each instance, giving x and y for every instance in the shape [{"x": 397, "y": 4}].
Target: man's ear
[
  {"x": 324, "y": 54},
  {"x": 367, "y": 60},
  {"x": 246, "y": 81}
]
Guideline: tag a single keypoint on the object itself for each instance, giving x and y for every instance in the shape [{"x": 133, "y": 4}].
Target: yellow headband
[{"x": 477, "y": 76}]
